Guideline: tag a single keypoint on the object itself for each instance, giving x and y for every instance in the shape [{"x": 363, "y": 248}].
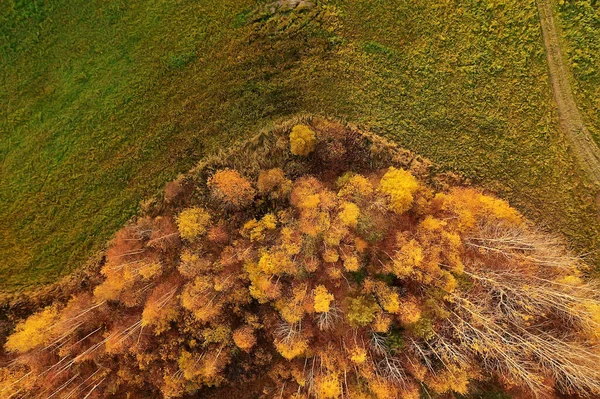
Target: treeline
[{"x": 335, "y": 284}]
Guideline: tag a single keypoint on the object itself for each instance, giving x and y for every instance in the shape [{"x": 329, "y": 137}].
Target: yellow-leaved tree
[
  {"x": 302, "y": 140},
  {"x": 34, "y": 331}
]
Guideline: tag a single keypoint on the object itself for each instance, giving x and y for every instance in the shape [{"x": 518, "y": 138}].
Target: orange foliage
[
  {"x": 231, "y": 188},
  {"x": 244, "y": 338}
]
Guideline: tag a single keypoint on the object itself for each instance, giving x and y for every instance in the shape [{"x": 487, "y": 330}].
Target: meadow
[
  {"x": 580, "y": 22},
  {"x": 103, "y": 102}
]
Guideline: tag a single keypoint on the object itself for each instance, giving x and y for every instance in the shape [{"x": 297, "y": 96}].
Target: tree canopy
[{"x": 345, "y": 283}]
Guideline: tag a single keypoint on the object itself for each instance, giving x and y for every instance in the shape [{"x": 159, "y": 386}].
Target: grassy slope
[
  {"x": 107, "y": 100},
  {"x": 580, "y": 22}
]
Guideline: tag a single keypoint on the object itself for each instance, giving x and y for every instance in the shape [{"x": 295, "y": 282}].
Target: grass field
[
  {"x": 105, "y": 101},
  {"x": 580, "y": 22}
]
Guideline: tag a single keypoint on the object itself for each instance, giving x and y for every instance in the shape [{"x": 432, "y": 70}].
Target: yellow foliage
[
  {"x": 189, "y": 365},
  {"x": 592, "y": 309},
  {"x": 159, "y": 314},
  {"x": 451, "y": 379},
  {"x": 399, "y": 185},
  {"x": 388, "y": 299},
  {"x": 33, "y": 332},
  {"x": 303, "y": 188},
  {"x": 269, "y": 221},
  {"x": 571, "y": 280},
  {"x": 328, "y": 387},
  {"x": 409, "y": 257},
  {"x": 410, "y": 392},
  {"x": 430, "y": 223},
  {"x": 470, "y": 206},
  {"x": 361, "y": 343},
  {"x": 191, "y": 264},
  {"x": 110, "y": 289},
  {"x": 358, "y": 355},
  {"x": 334, "y": 236},
  {"x": 261, "y": 288},
  {"x": 382, "y": 389},
  {"x": 275, "y": 263},
  {"x": 334, "y": 272},
  {"x": 302, "y": 140},
  {"x": 354, "y": 186},
  {"x": 195, "y": 298},
  {"x": 310, "y": 202},
  {"x": 500, "y": 209},
  {"x": 331, "y": 255},
  {"x": 217, "y": 335},
  {"x": 361, "y": 310},
  {"x": 417, "y": 370},
  {"x": 322, "y": 299},
  {"x": 349, "y": 214},
  {"x": 291, "y": 242},
  {"x": 173, "y": 386},
  {"x": 360, "y": 244},
  {"x": 14, "y": 380},
  {"x": 351, "y": 263},
  {"x": 448, "y": 283},
  {"x": 255, "y": 230},
  {"x": 292, "y": 309},
  {"x": 193, "y": 222},
  {"x": 210, "y": 366},
  {"x": 150, "y": 269},
  {"x": 291, "y": 348}
]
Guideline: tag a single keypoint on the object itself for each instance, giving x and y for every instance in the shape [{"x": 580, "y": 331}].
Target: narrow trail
[{"x": 571, "y": 122}]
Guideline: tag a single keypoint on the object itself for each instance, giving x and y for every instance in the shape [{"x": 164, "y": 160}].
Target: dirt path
[{"x": 586, "y": 150}]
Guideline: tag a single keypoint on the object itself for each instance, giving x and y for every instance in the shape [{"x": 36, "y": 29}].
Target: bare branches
[{"x": 519, "y": 243}]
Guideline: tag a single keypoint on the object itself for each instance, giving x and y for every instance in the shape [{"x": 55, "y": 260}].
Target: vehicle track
[{"x": 571, "y": 122}]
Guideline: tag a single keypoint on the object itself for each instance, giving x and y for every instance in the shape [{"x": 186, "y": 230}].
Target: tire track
[{"x": 571, "y": 122}]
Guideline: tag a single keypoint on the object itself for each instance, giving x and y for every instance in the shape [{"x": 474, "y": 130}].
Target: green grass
[
  {"x": 580, "y": 21},
  {"x": 105, "y": 101}
]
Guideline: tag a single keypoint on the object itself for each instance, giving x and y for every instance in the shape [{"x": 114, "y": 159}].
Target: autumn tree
[
  {"x": 193, "y": 222},
  {"x": 34, "y": 331},
  {"x": 302, "y": 140},
  {"x": 229, "y": 187}
]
